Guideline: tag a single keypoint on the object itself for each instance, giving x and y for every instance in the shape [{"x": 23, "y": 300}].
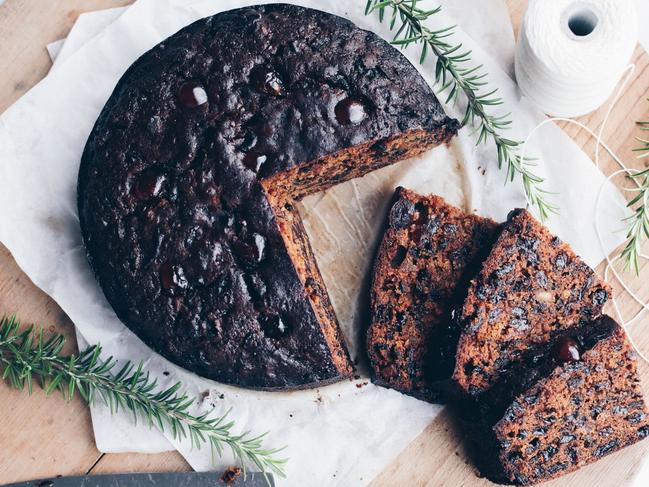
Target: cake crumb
[{"x": 230, "y": 475}]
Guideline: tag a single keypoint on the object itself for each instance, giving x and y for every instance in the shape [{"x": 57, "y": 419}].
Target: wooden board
[{"x": 43, "y": 437}]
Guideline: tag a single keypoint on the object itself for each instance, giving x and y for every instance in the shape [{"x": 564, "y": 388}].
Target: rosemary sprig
[
  {"x": 639, "y": 221},
  {"x": 28, "y": 356},
  {"x": 644, "y": 147},
  {"x": 454, "y": 76}
]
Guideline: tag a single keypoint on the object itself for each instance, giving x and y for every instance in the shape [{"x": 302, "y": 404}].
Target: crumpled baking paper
[
  {"x": 643, "y": 18},
  {"x": 338, "y": 435}
]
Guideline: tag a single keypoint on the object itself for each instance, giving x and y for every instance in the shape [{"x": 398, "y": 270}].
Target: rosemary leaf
[
  {"x": 452, "y": 74},
  {"x": 27, "y": 356},
  {"x": 638, "y": 223}
]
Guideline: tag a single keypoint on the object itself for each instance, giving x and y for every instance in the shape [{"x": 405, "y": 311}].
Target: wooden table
[{"x": 42, "y": 437}]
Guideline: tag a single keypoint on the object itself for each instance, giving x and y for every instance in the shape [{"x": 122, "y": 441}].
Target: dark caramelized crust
[
  {"x": 188, "y": 178},
  {"x": 531, "y": 288},
  {"x": 429, "y": 252},
  {"x": 580, "y": 411}
]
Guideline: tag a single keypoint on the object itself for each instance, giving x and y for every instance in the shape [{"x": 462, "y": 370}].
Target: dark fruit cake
[
  {"x": 531, "y": 289},
  {"x": 430, "y": 251},
  {"x": 587, "y": 403},
  {"x": 188, "y": 181}
]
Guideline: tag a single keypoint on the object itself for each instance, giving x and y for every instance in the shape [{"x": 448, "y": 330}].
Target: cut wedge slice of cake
[
  {"x": 430, "y": 251},
  {"x": 587, "y": 404},
  {"x": 532, "y": 288}
]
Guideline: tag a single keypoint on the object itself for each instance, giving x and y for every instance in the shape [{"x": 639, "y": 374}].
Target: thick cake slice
[
  {"x": 429, "y": 252},
  {"x": 588, "y": 404},
  {"x": 189, "y": 178},
  {"x": 532, "y": 287}
]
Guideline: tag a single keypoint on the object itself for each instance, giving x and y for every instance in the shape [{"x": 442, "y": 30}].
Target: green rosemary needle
[
  {"x": 638, "y": 229},
  {"x": 28, "y": 356},
  {"x": 455, "y": 77}
]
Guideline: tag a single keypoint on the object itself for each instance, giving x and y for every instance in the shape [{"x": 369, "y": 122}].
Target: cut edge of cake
[{"x": 350, "y": 163}]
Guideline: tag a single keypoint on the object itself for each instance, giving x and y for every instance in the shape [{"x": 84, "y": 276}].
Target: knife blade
[{"x": 184, "y": 479}]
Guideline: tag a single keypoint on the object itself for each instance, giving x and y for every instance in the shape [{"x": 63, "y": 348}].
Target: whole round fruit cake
[{"x": 189, "y": 179}]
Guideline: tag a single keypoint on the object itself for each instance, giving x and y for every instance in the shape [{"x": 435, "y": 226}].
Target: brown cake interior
[
  {"x": 351, "y": 163},
  {"x": 284, "y": 189},
  {"x": 582, "y": 410},
  {"x": 299, "y": 249},
  {"x": 429, "y": 252},
  {"x": 531, "y": 288}
]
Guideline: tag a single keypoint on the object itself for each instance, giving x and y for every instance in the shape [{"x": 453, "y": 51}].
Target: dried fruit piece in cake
[
  {"x": 429, "y": 252},
  {"x": 532, "y": 287},
  {"x": 588, "y": 405}
]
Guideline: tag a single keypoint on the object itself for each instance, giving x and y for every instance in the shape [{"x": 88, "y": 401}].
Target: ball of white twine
[{"x": 572, "y": 53}]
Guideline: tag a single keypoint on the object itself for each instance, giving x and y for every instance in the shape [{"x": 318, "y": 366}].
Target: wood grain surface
[{"x": 44, "y": 437}]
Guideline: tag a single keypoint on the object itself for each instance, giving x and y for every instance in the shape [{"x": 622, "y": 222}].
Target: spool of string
[{"x": 572, "y": 53}]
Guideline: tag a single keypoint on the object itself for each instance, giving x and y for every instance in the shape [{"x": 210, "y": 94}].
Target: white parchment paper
[
  {"x": 338, "y": 435},
  {"x": 643, "y": 19},
  {"x": 87, "y": 26}
]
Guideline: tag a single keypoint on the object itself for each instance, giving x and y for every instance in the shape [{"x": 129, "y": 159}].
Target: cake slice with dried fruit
[
  {"x": 429, "y": 252},
  {"x": 588, "y": 404},
  {"x": 532, "y": 288}
]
